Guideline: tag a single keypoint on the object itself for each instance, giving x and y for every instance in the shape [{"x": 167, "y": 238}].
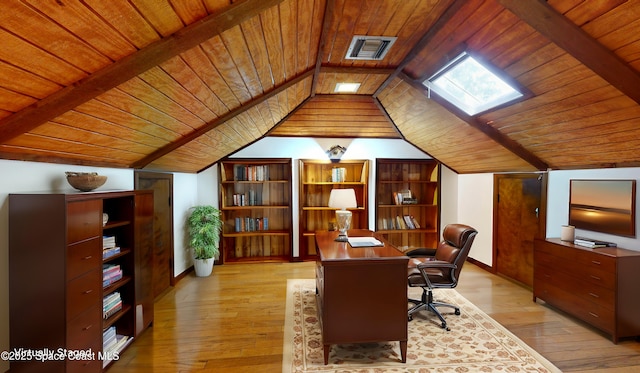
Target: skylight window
[{"x": 470, "y": 86}]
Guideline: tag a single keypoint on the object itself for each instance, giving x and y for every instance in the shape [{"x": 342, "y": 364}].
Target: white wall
[
  {"x": 558, "y": 202},
  {"x": 475, "y": 208},
  {"x": 185, "y": 196}
]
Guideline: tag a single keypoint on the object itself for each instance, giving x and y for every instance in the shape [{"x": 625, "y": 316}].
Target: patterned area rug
[{"x": 476, "y": 343}]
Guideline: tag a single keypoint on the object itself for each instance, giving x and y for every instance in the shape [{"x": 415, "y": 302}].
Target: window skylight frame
[{"x": 512, "y": 91}]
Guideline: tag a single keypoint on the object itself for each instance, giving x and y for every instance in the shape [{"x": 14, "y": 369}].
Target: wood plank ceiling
[{"x": 177, "y": 85}]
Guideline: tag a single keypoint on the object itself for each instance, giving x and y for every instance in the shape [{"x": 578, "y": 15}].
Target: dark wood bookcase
[
  {"x": 408, "y": 222},
  {"x": 56, "y": 274},
  {"x": 317, "y": 178},
  {"x": 255, "y": 200}
]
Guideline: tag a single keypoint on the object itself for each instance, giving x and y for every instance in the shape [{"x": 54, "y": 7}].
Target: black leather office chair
[{"x": 439, "y": 268}]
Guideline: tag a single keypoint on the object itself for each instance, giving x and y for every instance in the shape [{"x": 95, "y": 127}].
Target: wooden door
[
  {"x": 518, "y": 219},
  {"x": 162, "y": 186}
]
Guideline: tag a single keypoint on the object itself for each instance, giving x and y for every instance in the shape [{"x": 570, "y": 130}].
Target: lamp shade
[{"x": 342, "y": 198}]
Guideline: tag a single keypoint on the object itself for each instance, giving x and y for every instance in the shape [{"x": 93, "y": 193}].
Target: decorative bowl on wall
[{"x": 85, "y": 181}]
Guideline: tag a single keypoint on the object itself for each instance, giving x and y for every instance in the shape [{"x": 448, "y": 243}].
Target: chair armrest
[
  {"x": 436, "y": 264},
  {"x": 420, "y": 252}
]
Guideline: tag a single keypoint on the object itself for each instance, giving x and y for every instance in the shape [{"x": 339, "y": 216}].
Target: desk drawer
[
  {"x": 84, "y": 220},
  {"x": 592, "y": 312},
  {"x": 591, "y": 292},
  {"x": 573, "y": 256},
  {"x": 601, "y": 273},
  {"x": 83, "y": 292},
  {"x": 83, "y": 257},
  {"x": 87, "y": 366},
  {"x": 85, "y": 328}
]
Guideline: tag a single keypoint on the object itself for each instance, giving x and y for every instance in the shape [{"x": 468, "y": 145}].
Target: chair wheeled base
[{"x": 427, "y": 303}]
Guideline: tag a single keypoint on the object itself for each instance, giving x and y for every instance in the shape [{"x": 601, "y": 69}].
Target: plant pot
[{"x": 203, "y": 267}]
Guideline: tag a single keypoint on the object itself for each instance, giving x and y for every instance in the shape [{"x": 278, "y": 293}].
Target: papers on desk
[{"x": 364, "y": 242}]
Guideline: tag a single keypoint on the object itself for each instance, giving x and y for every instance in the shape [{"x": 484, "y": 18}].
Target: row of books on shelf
[
  {"x": 111, "y": 304},
  {"x": 251, "y": 173},
  {"x": 112, "y": 343},
  {"x": 338, "y": 174},
  {"x": 404, "y": 197},
  {"x": 110, "y": 274},
  {"x": 400, "y": 222},
  {"x": 248, "y": 224},
  {"x": 251, "y": 198}
]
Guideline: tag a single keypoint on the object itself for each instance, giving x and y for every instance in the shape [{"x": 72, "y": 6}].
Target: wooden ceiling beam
[
  {"x": 129, "y": 67},
  {"x": 329, "y": 7},
  {"x": 215, "y": 123},
  {"x": 485, "y": 128},
  {"x": 447, "y": 14},
  {"x": 575, "y": 41}
]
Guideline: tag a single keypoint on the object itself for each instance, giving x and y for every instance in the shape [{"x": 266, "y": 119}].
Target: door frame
[
  {"x": 169, "y": 177},
  {"x": 542, "y": 221}
]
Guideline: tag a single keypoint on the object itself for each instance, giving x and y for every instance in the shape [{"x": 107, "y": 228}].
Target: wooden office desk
[{"x": 362, "y": 292}]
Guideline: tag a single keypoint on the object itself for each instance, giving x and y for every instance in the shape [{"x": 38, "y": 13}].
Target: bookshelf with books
[
  {"x": 93, "y": 255},
  {"x": 317, "y": 179},
  {"x": 407, "y": 195},
  {"x": 255, "y": 201}
]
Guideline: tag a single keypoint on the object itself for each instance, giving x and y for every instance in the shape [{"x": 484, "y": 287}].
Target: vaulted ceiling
[{"x": 177, "y": 85}]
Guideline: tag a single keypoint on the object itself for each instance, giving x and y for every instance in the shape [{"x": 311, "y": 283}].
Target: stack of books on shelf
[
  {"x": 248, "y": 224},
  {"x": 251, "y": 173},
  {"x": 111, "y": 304},
  {"x": 110, "y": 274},
  {"x": 338, "y": 175},
  {"x": 112, "y": 344},
  {"x": 109, "y": 247}
]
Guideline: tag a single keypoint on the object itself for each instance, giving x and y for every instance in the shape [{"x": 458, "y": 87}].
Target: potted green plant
[{"x": 204, "y": 225}]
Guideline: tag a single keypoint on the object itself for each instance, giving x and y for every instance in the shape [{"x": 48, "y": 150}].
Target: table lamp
[{"x": 343, "y": 199}]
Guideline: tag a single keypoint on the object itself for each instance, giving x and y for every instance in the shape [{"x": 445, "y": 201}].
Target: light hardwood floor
[{"x": 233, "y": 322}]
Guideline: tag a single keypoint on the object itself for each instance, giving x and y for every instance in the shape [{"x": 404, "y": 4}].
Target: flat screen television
[{"x": 606, "y": 206}]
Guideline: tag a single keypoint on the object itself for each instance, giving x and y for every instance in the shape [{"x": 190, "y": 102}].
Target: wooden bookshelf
[
  {"x": 408, "y": 222},
  {"x": 317, "y": 178},
  {"x": 56, "y": 246},
  {"x": 255, "y": 200}
]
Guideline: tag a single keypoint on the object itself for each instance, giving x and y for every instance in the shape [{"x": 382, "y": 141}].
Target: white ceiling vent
[{"x": 372, "y": 48}]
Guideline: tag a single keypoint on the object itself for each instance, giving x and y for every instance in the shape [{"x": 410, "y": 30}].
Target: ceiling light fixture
[
  {"x": 336, "y": 152},
  {"x": 347, "y": 87}
]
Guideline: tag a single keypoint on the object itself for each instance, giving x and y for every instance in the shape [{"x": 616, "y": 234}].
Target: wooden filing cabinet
[{"x": 598, "y": 286}]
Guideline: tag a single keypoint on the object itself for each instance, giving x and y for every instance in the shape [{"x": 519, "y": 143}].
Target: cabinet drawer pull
[
  {"x": 87, "y": 327},
  {"x": 87, "y": 291},
  {"x": 87, "y": 257},
  {"x": 595, "y": 277},
  {"x": 593, "y": 314},
  {"x": 596, "y": 262},
  {"x": 594, "y": 295}
]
